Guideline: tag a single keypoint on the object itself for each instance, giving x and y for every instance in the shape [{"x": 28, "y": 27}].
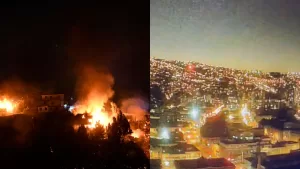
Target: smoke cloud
[
  {"x": 17, "y": 88},
  {"x": 136, "y": 107},
  {"x": 94, "y": 84}
]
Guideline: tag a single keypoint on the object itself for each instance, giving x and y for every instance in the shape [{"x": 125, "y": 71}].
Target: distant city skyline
[
  {"x": 244, "y": 34},
  {"x": 220, "y": 66}
]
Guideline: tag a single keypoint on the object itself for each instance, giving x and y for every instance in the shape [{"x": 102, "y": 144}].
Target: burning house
[{"x": 8, "y": 106}]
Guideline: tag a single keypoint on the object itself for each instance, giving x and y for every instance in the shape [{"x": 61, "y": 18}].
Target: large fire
[
  {"x": 96, "y": 111},
  {"x": 7, "y": 105},
  {"x": 95, "y": 93}
]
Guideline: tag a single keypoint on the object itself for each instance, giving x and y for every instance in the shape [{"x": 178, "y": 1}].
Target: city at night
[
  {"x": 224, "y": 84},
  {"x": 74, "y": 85}
]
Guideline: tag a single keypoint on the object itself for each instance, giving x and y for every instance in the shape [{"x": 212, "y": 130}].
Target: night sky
[
  {"x": 48, "y": 44},
  {"x": 243, "y": 34}
]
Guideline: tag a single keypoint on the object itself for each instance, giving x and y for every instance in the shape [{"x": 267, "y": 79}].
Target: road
[{"x": 208, "y": 151}]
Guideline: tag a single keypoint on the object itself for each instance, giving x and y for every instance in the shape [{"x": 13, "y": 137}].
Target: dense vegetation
[{"x": 50, "y": 141}]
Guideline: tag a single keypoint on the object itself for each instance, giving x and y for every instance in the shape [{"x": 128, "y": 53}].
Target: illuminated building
[
  {"x": 273, "y": 104},
  {"x": 283, "y": 147},
  {"x": 183, "y": 116},
  {"x": 239, "y": 148},
  {"x": 275, "y": 74},
  {"x": 175, "y": 116},
  {"x": 278, "y": 135},
  {"x": 259, "y": 117},
  {"x": 232, "y": 106},
  {"x": 202, "y": 163},
  {"x": 169, "y": 117},
  {"x": 290, "y": 98},
  {"x": 180, "y": 151},
  {"x": 208, "y": 98},
  {"x": 240, "y": 132},
  {"x": 297, "y": 96},
  {"x": 168, "y": 149},
  {"x": 211, "y": 140}
]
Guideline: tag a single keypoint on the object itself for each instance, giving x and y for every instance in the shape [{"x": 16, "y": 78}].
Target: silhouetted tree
[
  {"x": 56, "y": 144},
  {"x": 82, "y": 132},
  {"x": 98, "y": 133},
  {"x": 124, "y": 125},
  {"x": 119, "y": 129}
]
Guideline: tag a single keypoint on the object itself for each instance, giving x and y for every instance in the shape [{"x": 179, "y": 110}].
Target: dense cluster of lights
[{"x": 203, "y": 83}]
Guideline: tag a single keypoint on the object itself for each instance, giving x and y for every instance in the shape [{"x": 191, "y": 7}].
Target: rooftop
[
  {"x": 290, "y": 160},
  {"x": 157, "y": 142},
  {"x": 283, "y": 143},
  {"x": 174, "y": 124},
  {"x": 155, "y": 164},
  {"x": 203, "y": 163},
  {"x": 180, "y": 148},
  {"x": 237, "y": 141}
]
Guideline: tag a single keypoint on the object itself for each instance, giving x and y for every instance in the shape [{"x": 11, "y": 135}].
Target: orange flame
[
  {"x": 95, "y": 108},
  {"x": 7, "y": 105},
  {"x": 137, "y": 133},
  {"x": 95, "y": 91}
]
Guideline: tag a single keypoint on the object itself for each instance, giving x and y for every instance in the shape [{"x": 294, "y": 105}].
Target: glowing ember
[
  {"x": 7, "y": 105},
  {"x": 137, "y": 133}
]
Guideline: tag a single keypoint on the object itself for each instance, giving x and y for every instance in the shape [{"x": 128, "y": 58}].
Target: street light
[
  {"x": 230, "y": 117},
  {"x": 195, "y": 113},
  {"x": 165, "y": 133}
]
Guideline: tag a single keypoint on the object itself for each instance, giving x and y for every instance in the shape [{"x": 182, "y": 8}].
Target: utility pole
[
  {"x": 161, "y": 151},
  {"x": 242, "y": 160},
  {"x": 258, "y": 156}
]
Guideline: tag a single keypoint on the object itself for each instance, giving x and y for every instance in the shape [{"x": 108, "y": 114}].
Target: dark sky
[
  {"x": 243, "y": 34},
  {"x": 47, "y": 44}
]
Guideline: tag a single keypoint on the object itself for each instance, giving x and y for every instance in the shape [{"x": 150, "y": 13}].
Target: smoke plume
[
  {"x": 95, "y": 84},
  {"x": 136, "y": 107},
  {"x": 94, "y": 89}
]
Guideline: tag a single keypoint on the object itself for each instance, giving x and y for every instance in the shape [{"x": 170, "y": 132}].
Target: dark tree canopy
[{"x": 52, "y": 142}]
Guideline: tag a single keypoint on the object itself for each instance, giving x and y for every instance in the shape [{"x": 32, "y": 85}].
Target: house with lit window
[{"x": 51, "y": 102}]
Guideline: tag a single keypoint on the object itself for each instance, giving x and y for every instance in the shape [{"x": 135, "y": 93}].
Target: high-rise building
[{"x": 297, "y": 96}]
